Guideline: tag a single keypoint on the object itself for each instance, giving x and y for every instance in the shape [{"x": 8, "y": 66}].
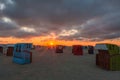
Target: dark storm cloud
[
  {"x": 105, "y": 27},
  {"x": 55, "y": 11},
  {"x": 95, "y": 19},
  {"x": 9, "y": 28}
]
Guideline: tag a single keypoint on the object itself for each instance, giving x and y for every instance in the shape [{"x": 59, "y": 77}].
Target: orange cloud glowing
[{"x": 47, "y": 40}]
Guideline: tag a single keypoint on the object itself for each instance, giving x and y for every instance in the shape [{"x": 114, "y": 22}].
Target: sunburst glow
[{"x": 51, "y": 43}]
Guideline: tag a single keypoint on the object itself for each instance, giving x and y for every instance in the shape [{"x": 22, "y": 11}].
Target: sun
[{"x": 51, "y": 43}]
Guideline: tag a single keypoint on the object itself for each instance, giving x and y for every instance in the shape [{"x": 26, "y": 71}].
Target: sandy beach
[{"x": 47, "y": 65}]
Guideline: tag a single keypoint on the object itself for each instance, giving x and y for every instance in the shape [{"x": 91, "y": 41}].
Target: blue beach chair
[{"x": 22, "y": 54}]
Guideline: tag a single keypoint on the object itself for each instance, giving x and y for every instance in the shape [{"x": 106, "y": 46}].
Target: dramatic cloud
[
  {"x": 9, "y": 28},
  {"x": 67, "y": 19}
]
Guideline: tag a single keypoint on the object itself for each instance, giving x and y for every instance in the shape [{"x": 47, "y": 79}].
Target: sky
[{"x": 74, "y": 21}]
